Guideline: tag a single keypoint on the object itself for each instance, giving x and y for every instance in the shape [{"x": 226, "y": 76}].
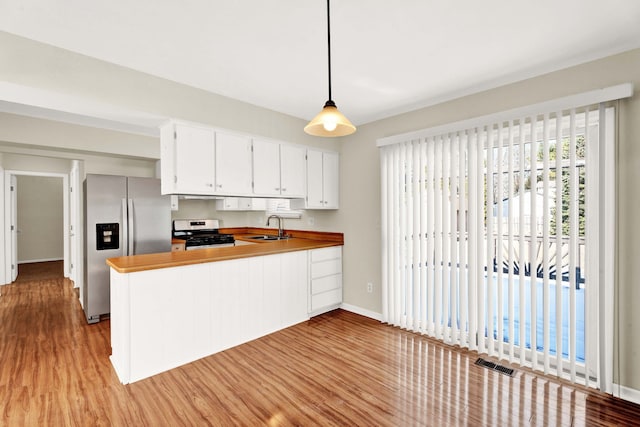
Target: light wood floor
[{"x": 337, "y": 369}]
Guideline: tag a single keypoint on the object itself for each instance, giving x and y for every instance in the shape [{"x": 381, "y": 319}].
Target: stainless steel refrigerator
[{"x": 123, "y": 216}]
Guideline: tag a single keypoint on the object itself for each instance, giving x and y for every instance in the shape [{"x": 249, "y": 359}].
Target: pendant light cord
[
  {"x": 330, "y": 121},
  {"x": 329, "y": 46}
]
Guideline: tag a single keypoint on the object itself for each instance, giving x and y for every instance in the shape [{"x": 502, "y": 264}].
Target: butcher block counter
[
  {"x": 169, "y": 309},
  {"x": 298, "y": 241}
]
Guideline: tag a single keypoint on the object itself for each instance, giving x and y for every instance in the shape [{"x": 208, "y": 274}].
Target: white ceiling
[{"x": 388, "y": 56}]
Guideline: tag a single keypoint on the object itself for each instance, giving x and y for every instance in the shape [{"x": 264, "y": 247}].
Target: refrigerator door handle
[
  {"x": 125, "y": 229},
  {"x": 132, "y": 223}
]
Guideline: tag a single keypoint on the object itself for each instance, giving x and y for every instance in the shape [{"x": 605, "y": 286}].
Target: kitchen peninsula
[{"x": 169, "y": 309}]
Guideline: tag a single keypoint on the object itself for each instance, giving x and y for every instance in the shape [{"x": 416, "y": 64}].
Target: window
[{"x": 492, "y": 233}]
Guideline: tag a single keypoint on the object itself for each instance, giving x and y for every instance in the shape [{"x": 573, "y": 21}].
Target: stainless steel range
[{"x": 201, "y": 234}]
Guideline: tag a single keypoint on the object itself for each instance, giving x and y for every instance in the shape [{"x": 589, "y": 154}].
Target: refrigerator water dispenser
[{"x": 107, "y": 236}]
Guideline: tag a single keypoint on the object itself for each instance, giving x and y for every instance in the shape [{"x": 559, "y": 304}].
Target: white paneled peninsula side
[{"x": 173, "y": 308}]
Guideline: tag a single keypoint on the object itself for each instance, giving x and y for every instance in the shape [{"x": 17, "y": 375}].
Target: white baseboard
[
  {"x": 28, "y": 261},
  {"x": 627, "y": 393},
  {"x": 362, "y": 311}
]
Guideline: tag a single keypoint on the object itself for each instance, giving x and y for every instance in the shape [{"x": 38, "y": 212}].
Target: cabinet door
[
  {"x": 194, "y": 149},
  {"x": 227, "y": 204},
  {"x": 315, "y": 198},
  {"x": 292, "y": 170},
  {"x": 331, "y": 180},
  {"x": 266, "y": 168},
  {"x": 233, "y": 164}
]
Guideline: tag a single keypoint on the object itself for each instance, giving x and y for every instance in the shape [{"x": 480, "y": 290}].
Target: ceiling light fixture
[{"x": 330, "y": 121}]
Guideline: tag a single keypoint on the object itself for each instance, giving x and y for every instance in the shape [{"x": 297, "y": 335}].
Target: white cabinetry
[
  {"x": 233, "y": 164},
  {"x": 278, "y": 169},
  {"x": 200, "y": 160},
  {"x": 187, "y": 154},
  {"x": 323, "y": 178},
  {"x": 325, "y": 279}
]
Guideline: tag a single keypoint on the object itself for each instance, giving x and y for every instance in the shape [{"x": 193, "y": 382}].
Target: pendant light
[{"x": 330, "y": 121}]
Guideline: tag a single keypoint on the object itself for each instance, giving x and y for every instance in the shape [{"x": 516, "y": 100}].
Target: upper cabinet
[
  {"x": 323, "y": 180},
  {"x": 187, "y": 156},
  {"x": 233, "y": 164},
  {"x": 278, "y": 169},
  {"x": 266, "y": 167},
  {"x": 199, "y": 160},
  {"x": 293, "y": 171}
]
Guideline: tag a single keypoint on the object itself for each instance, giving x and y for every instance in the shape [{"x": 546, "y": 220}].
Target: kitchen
[
  {"x": 127, "y": 226},
  {"x": 133, "y": 154}
]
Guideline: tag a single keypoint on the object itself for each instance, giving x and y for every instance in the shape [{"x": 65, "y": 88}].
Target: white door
[
  {"x": 331, "y": 180},
  {"x": 194, "y": 159},
  {"x": 293, "y": 170},
  {"x": 14, "y": 226},
  {"x": 233, "y": 164},
  {"x": 266, "y": 168},
  {"x": 315, "y": 198},
  {"x": 74, "y": 223}
]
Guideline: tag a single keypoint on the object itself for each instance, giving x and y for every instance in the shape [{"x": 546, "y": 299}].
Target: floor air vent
[{"x": 490, "y": 365}]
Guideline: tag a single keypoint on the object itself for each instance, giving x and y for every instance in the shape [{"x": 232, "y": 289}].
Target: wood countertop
[{"x": 299, "y": 241}]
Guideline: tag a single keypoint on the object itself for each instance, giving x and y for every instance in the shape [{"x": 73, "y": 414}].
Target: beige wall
[
  {"x": 33, "y": 64},
  {"x": 40, "y": 215},
  {"x": 360, "y": 209},
  {"x": 20, "y": 131}
]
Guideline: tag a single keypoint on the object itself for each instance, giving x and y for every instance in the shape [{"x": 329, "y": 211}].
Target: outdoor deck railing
[{"x": 531, "y": 263}]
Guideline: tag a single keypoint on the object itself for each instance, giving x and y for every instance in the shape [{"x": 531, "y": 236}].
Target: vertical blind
[{"x": 486, "y": 233}]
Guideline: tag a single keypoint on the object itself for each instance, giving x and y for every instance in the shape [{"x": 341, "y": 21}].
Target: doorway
[
  {"x": 38, "y": 221},
  {"x": 39, "y": 216}
]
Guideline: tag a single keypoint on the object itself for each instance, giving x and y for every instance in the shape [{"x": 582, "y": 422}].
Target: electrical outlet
[
  {"x": 311, "y": 220},
  {"x": 369, "y": 287}
]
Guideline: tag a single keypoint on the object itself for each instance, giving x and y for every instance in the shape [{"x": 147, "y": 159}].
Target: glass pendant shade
[{"x": 330, "y": 122}]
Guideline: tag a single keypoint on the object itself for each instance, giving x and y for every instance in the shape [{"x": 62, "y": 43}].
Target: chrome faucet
[{"x": 280, "y": 230}]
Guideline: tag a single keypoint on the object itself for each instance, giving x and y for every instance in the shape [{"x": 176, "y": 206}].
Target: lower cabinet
[{"x": 325, "y": 279}]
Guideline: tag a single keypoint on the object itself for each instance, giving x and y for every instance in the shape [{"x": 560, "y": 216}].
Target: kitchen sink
[{"x": 267, "y": 237}]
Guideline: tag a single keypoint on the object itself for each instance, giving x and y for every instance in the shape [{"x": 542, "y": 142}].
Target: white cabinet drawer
[
  {"x": 324, "y": 254},
  {"x": 325, "y": 279},
  {"x": 326, "y": 268},
  {"x": 326, "y": 299},
  {"x": 326, "y": 283}
]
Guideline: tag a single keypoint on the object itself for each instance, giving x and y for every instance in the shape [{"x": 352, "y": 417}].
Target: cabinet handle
[
  {"x": 284, "y": 189},
  {"x": 208, "y": 185},
  {"x": 277, "y": 189},
  {"x": 219, "y": 185}
]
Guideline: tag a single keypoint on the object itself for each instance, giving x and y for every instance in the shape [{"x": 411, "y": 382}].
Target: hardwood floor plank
[{"x": 334, "y": 370}]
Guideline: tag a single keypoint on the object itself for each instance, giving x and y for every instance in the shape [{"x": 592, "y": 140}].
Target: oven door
[{"x": 217, "y": 245}]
